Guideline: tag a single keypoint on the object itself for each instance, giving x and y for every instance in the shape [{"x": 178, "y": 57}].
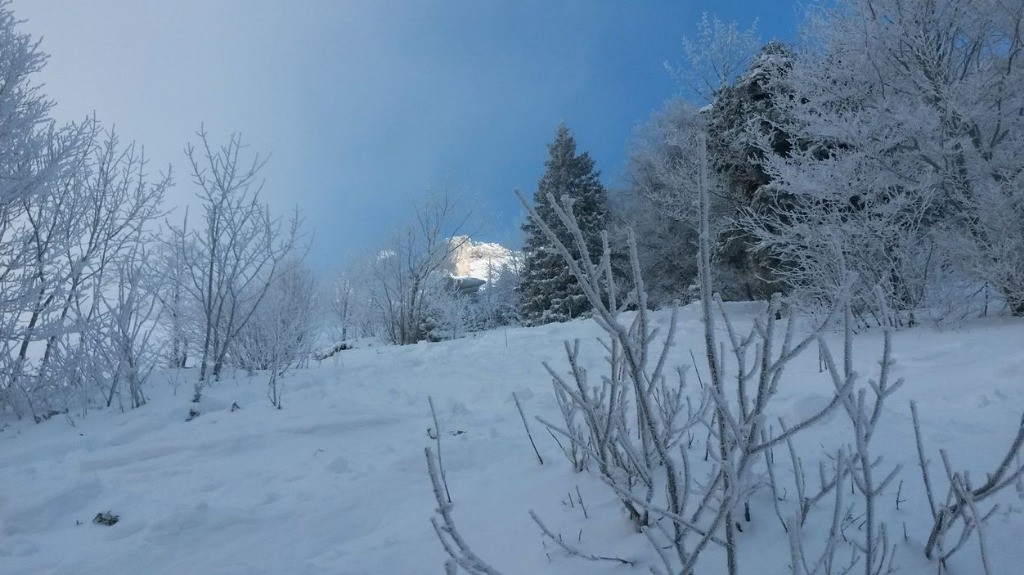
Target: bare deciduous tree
[
  {"x": 232, "y": 256},
  {"x": 279, "y": 337},
  {"x": 413, "y": 265}
]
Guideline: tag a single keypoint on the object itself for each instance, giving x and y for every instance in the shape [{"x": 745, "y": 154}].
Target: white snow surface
[{"x": 336, "y": 482}]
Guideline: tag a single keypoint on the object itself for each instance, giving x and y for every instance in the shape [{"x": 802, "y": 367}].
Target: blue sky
[{"x": 365, "y": 106}]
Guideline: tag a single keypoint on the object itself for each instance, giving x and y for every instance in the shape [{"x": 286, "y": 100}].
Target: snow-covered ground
[{"x": 336, "y": 481}]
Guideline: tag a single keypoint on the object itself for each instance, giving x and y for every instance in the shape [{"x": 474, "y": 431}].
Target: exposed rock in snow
[{"x": 480, "y": 260}]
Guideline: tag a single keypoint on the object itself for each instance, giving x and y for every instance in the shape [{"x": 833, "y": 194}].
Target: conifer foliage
[
  {"x": 548, "y": 292},
  {"x": 745, "y": 125}
]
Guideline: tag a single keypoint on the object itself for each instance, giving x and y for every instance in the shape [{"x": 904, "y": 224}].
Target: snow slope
[{"x": 335, "y": 483}]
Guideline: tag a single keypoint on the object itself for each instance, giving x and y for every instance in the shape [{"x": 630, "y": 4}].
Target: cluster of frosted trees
[
  {"x": 74, "y": 206},
  {"x": 405, "y": 291},
  {"x": 886, "y": 147},
  {"x": 92, "y": 288}
]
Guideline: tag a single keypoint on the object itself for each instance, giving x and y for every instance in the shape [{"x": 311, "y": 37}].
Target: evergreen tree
[
  {"x": 741, "y": 118},
  {"x": 548, "y": 291}
]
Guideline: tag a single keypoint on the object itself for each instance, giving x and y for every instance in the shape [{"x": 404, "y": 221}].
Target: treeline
[{"x": 883, "y": 156}]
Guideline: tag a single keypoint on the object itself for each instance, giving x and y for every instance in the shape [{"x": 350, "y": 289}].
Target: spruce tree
[
  {"x": 548, "y": 291},
  {"x": 742, "y": 114}
]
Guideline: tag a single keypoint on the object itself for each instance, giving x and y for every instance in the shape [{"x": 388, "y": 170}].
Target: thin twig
[
  {"x": 528, "y": 434},
  {"x": 557, "y": 539},
  {"x": 437, "y": 438}
]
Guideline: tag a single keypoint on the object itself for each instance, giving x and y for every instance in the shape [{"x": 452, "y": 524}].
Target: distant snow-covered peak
[{"x": 480, "y": 260}]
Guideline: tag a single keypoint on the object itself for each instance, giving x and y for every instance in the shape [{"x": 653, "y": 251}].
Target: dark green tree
[
  {"x": 548, "y": 292},
  {"x": 742, "y": 117}
]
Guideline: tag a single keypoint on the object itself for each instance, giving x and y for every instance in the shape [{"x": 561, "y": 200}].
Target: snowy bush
[{"x": 597, "y": 426}]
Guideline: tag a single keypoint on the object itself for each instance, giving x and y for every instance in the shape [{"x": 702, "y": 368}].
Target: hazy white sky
[{"x": 363, "y": 106}]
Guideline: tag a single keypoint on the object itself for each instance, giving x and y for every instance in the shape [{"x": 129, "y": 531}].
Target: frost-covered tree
[
  {"x": 662, "y": 207},
  {"x": 36, "y": 158},
  {"x": 742, "y": 115},
  {"x": 907, "y": 130},
  {"x": 86, "y": 283},
  {"x": 716, "y": 57},
  {"x": 343, "y": 299},
  {"x": 659, "y": 203},
  {"x": 116, "y": 204},
  {"x": 412, "y": 267},
  {"x": 233, "y": 255},
  {"x": 349, "y": 298},
  {"x": 76, "y": 209},
  {"x": 83, "y": 326},
  {"x": 179, "y": 315},
  {"x": 548, "y": 292},
  {"x": 280, "y": 335},
  {"x": 108, "y": 299},
  {"x": 130, "y": 350},
  {"x": 497, "y": 301},
  {"x": 451, "y": 313}
]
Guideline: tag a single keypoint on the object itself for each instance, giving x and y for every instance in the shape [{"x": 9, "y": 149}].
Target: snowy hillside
[{"x": 336, "y": 482}]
